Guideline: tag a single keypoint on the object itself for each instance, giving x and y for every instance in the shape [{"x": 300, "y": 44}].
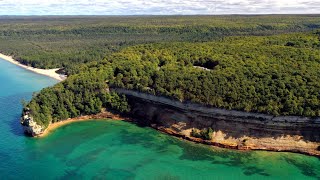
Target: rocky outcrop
[
  {"x": 232, "y": 129},
  {"x": 30, "y": 127}
]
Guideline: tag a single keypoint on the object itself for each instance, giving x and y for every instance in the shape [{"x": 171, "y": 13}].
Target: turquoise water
[{"x": 106, "y": 149}]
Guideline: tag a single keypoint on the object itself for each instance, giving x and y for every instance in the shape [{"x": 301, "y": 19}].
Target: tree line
[
  {"x": 65, "y": 42},
  {"x": 276, "y": 74}
]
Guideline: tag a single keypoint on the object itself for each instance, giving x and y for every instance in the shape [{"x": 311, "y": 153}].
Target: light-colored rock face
[
  {"x": 237, "y": 129},
  {"x": 164, "y": 111},
  {"x": 233, "y": 129},
  {"x": 30, "y": 127}
]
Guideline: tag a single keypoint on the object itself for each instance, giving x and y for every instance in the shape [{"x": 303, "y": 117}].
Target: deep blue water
[{"x": 106, "y": 149}]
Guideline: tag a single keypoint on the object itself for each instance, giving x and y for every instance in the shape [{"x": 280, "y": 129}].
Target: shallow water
[{"x": 106, "y": 149}]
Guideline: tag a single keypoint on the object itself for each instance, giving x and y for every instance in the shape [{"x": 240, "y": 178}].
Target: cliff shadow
[{"x": 149, "y": 113}]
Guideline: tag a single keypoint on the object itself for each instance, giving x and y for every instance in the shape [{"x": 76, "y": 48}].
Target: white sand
[{"x": 47, "y": 72}]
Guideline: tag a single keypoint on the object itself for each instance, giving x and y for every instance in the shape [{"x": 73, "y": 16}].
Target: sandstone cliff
[
  {"x": 29, "y": 125},
  {"x": 233, "y": 129}
]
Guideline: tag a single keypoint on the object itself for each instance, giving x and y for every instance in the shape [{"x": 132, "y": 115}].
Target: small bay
[{"x": 107, "y": 149}]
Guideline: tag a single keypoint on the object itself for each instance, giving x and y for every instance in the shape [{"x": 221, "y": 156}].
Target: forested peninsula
[{"x": 265, "y": 65}]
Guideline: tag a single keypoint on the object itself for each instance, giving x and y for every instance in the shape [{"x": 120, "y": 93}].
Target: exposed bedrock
[
  {"x": 234, "y": 129},
  {"x": 31, "y": 128}
]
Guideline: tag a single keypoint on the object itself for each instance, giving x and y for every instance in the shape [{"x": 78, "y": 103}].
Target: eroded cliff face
[
  {"x": 233, "y": 129},
  {"x": 30, "y": 127}
]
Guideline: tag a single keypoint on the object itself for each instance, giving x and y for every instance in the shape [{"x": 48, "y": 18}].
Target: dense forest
[
  {"x": 274, "y": 74},
  {"x": 65, "y": 42}
]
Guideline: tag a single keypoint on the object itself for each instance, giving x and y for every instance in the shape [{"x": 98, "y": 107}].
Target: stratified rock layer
[{"x": 232, "y": 129}]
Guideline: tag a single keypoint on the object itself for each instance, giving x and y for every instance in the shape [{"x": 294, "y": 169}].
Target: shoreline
[
  {"x": 250, "y": 147},
  {"x": 105, "y": 116},
  {"x": 46, "y": 72},
  {"x": 101, "y": 116}
]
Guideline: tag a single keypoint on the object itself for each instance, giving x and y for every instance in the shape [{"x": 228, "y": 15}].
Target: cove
[{"x": 103, "y": 149}]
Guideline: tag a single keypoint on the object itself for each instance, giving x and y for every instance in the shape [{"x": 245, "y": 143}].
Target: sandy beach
[
  {"x": 47, "y": 72},
  {"x": 100, "y": 116},
  {"x": 56, "y": 125}
]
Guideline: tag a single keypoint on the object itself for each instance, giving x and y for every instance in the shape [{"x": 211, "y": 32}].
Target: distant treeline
[
  {"x": 59, "y": 41},
  {"x": 276, "y": 74}
]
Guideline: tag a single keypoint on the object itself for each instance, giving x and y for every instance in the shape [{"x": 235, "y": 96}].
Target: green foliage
[
  {"x": 255, "y": 74},
  {"x": 24, "y": 103},
  {"x": 276, "y": 74},
  {"x": 80, "y": 94},
  {"x": 64, "y": 42},
  {"x": 205, "y": 134}
]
